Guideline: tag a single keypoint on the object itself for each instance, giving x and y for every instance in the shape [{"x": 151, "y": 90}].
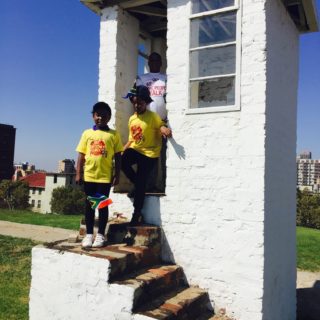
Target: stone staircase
[{"x": 160, "y": 290}]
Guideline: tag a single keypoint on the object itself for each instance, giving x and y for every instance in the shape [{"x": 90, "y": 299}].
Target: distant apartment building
[
  {"x": 308, "y": 172},
  {"x": 25, "y": 166},
  {"x": 305, "y": 155},
  {"x": 7, "y": 143},
  {"x": 23, "y": 169},
  {"x": 66, "y": 166}
]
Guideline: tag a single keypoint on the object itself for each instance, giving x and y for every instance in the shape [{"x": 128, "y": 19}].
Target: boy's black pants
[
  {"x": 92, "y": 189},
  {"x": 139, "y": 177}
]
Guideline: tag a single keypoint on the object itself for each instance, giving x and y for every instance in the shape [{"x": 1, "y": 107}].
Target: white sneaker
[
  {"x": 98, "y": 241},
  {"x": 87, "y": 241}
]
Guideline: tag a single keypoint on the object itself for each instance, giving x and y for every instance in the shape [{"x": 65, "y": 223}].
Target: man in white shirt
[{"x": 156, "y": 83}]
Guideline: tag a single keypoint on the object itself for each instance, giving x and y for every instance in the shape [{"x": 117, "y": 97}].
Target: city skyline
[{"x": 49, "y": 61}]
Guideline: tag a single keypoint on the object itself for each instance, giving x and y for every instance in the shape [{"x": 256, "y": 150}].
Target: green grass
[
  {"x": 15, "y": 264},
  {"x": 53, "y": 220},
  {"x": 308, "y": 249}
]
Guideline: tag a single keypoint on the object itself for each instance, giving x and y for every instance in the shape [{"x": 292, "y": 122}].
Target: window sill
[{"x": 212, "y": 109}]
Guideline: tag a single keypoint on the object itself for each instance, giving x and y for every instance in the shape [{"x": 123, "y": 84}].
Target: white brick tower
[{"x": 229, "y": 212}]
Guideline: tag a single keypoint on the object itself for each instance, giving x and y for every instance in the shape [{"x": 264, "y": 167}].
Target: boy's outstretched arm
[
  {"x": 117, "y": 165},
  {"x": 79, "y": 168}
]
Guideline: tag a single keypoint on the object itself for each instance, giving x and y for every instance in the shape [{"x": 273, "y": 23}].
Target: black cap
[{"x": 143, "y": 93}]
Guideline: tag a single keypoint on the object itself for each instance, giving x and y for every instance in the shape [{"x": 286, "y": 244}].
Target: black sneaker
[{"x": 137, "y": 219}]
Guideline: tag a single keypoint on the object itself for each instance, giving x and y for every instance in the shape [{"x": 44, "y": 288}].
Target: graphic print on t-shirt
[
  {"x": 98, "y": 148},
  {"x": 156, "y": 87},
  {"x": 137, "y": 135}
]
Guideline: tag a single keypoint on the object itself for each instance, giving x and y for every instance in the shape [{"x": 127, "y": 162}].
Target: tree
[
  {"x": 308, "y": 209},
  {"x": 68, "y": 200},
  {"x": 14, "y": 194}
]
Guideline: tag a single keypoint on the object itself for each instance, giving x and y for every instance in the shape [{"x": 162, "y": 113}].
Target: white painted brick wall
[
  {"x": 280, "y": 201},
  {"x": 214, "y": 212},
  {"x": 68, "y": 286}
]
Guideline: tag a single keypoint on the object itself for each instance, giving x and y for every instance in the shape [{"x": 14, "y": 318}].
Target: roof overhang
[
  {"x": 98, "y": 5},
  {"x": 304, "y": 14},
  {"x": 152, "y": 14}
]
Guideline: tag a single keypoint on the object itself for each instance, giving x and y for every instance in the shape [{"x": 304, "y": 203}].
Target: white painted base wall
[{"x": 68, "y": 286}]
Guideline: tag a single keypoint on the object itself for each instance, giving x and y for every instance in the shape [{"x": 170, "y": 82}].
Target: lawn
[
  {"x": 52, "y": 220},
  {"x": 308, "y": 249},
  {"x": 15, "y": 261}
]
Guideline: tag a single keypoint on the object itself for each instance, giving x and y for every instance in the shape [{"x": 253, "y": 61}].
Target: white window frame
[{"x": 224, "y": 108}]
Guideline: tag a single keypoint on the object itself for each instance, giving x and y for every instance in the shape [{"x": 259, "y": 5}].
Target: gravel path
[{"x": 37, "y": 233}]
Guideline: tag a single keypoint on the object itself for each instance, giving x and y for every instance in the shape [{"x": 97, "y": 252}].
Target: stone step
[
  {"x": 152, "y": 282},
  {"x": 123, "y": 258},
  {"x": 182, "y": 304},
  {"x": 144, "y": 235}
]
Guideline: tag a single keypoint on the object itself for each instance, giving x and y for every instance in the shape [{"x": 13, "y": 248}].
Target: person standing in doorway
[{"x": 157, "y": 85}]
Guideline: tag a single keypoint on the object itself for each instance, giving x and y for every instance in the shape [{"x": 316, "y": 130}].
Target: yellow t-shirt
[
  {"x": 99, "y": 148},
  {"x": 144, "y": 133}
]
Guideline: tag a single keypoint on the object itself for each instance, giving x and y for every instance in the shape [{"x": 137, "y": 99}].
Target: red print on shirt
[
  {"x": 136, "y": 133},
  {"x": 157, "y": 91},
  {"x": 98, "y": 148}
]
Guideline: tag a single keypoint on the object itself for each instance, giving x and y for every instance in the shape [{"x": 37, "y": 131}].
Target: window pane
[
  {"x": 212, "y": 93},
  {"x": 212, "y": 62},
  {"x": 214, "y": 29},
  {"x": 207, "y": 5}
]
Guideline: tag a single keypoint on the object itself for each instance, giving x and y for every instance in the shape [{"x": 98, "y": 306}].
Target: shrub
[
  {"x": 14, "y": 194},
  {"x": 68, "y": 200},
  {"x": 308, "y": 209}
]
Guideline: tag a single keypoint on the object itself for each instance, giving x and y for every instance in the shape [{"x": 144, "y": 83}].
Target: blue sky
[
  {"x": 49, "y": 79},
  {"x": 49, "y": 76}
]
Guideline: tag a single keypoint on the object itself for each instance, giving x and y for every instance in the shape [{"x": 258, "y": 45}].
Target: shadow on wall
[
  {"x": 308, "y": 302},
  {"x": 178, "y": 148}
]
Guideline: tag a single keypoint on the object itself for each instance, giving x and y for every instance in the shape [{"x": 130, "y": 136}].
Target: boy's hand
[{"x": 166, "y": 132}]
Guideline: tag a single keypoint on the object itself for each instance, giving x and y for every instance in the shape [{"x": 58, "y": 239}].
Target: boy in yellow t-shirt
[
  {"x": 97, "y": 149},
  {"x": 143, "y": 147}
]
